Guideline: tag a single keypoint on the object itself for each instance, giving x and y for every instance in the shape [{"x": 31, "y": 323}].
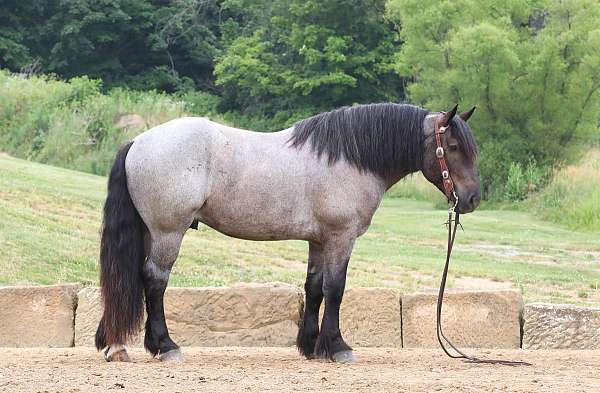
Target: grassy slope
[{"x": 50, "y": 218}]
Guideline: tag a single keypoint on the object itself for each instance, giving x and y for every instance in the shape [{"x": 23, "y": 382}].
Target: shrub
[{"x": 522, "y": 182}]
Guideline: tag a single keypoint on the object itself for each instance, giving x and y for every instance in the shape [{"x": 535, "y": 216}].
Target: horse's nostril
[{"x": 474, "y": 200}]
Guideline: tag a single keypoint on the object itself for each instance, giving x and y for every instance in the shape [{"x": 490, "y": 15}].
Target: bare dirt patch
[
  {"x": 480, "y": 283},
  {"x": 282, "y": 370}
]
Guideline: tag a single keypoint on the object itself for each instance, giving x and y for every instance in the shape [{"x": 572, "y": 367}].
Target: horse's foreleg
[
  {"x": 164, "y": 251},
  {"x": 330, "y": 343},
  {"x": 313, "y": 287}
]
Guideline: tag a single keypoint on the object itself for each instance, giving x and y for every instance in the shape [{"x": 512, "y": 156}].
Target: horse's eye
[{"x": 453, "y": 147}]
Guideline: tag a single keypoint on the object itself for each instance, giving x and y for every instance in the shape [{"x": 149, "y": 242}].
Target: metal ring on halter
[{"x": 445, "y": 175}]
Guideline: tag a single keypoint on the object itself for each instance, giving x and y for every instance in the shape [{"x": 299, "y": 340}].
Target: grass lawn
[{"x": 50, "y": 219}]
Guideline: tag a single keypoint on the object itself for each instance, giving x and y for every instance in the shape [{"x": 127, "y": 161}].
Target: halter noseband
[{"x": 441, "y": 156}]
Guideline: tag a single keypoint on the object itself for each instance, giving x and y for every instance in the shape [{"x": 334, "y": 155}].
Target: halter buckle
[
  {"x": 442, "y": 129},
  {"x": 439, "y": 152},
  {"x": 445, "y": 175}
]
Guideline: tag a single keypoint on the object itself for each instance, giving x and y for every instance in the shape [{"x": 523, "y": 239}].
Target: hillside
[{"x": 50, "y": 220}]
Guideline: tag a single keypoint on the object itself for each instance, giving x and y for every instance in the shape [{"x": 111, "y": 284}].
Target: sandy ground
[{"x": 282, "y": 370}]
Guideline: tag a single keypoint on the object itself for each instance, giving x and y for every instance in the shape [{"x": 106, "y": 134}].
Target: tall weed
[{"x": 572, "y": 197}]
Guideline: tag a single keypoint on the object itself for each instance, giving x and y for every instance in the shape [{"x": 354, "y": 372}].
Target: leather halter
[{"x": 441, "y": 156}]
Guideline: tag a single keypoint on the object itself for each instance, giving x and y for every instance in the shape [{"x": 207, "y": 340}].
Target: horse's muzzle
[{"x": 469, "y": 202}]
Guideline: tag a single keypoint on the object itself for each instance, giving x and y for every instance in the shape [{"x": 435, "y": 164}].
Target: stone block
[
  {"x": 559, "y": 326},
  {"x": 475, "y": 319},
  {"x": 371, "y": 317},
  {"x": 37, "y": 316},
  {"x": 239, "y": 315}
]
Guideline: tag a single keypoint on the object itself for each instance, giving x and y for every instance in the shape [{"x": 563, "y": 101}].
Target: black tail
[{"x": 121, "y": 259}]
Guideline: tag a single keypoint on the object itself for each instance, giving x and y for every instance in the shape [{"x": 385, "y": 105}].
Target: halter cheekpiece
[{"x": 440, "y": 154}]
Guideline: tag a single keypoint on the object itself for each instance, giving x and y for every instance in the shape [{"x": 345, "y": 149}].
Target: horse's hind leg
[
  {"x": 164, "y": 249},
  {"x": 313, "y": 287}
]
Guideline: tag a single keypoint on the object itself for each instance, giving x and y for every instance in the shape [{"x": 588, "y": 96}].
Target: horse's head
[{"x": 458, "y": 152}]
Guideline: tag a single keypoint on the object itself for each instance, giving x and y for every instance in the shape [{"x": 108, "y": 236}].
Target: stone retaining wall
[{"x": 268, "y": 315}]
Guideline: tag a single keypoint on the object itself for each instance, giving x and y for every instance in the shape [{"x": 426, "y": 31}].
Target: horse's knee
[{"x": 333, "y": 292}]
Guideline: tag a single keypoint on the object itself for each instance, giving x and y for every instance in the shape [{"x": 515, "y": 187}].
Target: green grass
[{"x": 50, "y": 219}]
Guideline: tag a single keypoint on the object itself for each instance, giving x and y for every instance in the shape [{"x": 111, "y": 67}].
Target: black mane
[{"x": 385, "y": 139}]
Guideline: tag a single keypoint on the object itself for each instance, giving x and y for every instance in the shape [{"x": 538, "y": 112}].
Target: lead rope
[{"x": 453, "y": 217}]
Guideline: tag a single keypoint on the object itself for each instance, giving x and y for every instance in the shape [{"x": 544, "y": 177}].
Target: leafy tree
[
  {"x": 186, "y": 36},
  {"x": 20, "y": 23},
  {"x": 166, "y": 45},
  {"x": 309, "y": 54},
  {"x": 103, "y": 38},
  {"x": 531, "y": 67}
]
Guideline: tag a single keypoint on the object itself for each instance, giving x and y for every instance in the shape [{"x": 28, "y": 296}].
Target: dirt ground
[{"x": 282, "y": 370}]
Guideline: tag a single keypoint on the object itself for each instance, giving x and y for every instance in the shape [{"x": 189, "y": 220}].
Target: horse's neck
[{"x": 390, "y": 182}]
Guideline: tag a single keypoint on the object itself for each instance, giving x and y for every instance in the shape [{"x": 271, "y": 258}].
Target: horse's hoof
[
  {"x": 116, "y": 354},
  {"x": 346, "y": 357},
  {"x": 173, "y": 356}
]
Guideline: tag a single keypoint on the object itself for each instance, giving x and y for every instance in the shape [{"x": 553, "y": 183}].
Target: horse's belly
[{"x": 249, "y": 223}]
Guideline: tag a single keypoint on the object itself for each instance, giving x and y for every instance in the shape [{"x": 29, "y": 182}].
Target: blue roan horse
[{"x": 320, "y": 181}]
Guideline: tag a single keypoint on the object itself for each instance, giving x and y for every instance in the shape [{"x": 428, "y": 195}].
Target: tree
[
  {"x": 186, "y": 33},
  {"x": 310, "y": 54},
  {"x": 20, "y": 24},
  {"x": 165, "y": 45},
  {"x": 530, "y": 66}
]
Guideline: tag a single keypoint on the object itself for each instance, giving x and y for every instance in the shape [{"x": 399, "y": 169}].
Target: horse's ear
[
  {"x": 448, "y": 116},
  {"x": 466, "y": 115}
]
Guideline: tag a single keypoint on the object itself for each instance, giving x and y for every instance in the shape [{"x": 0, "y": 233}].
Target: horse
[{"x": 320, "y": 180}]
